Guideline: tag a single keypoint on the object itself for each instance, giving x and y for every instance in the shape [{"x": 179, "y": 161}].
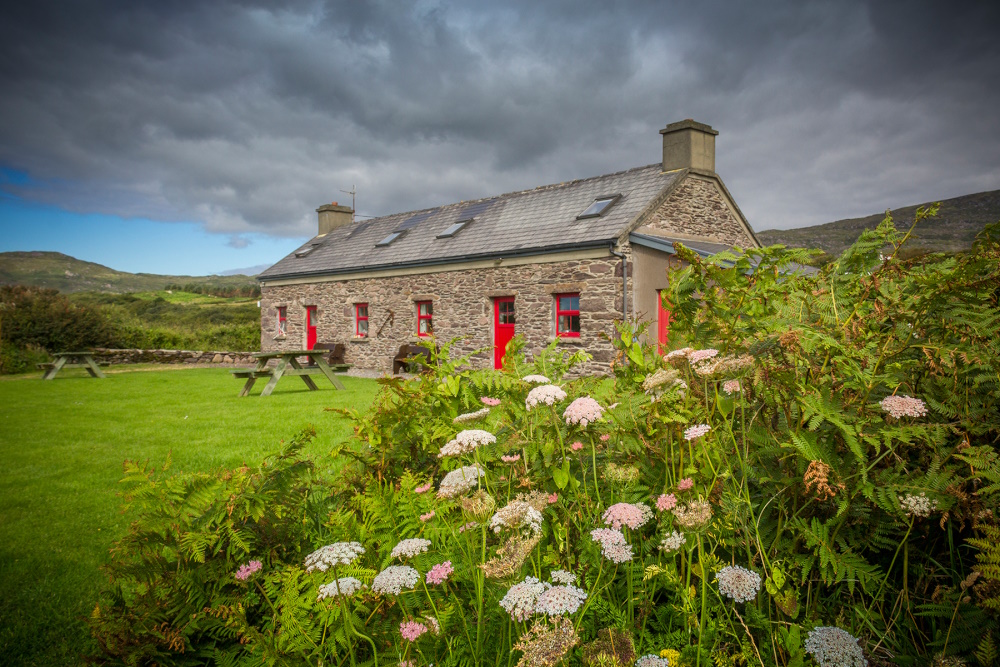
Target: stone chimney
[
  {"x": 332, "y": 216},
  {"x": 688, "y": 144}
]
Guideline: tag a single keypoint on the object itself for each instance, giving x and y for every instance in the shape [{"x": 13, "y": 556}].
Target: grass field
[{"x": 62, "y": 444}]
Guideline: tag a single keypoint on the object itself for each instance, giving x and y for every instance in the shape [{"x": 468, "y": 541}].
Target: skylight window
[
  {"x": 599, "y": 207},
  {"x": 302, "y": 252},
  {"x": 454, "y": 229},
  {"x": 388, "y": 239}
]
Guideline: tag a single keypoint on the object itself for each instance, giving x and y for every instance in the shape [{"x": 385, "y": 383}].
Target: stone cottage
[{"x": 559, "y": 262}]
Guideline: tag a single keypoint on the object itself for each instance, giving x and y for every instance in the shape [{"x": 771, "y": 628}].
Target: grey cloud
[{"x": 246, "y": 116}]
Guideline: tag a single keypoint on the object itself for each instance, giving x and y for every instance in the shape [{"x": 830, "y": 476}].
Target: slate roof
[{"x": 528, "y": 222}]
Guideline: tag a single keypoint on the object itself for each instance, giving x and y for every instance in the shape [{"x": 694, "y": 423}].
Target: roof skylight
[
  {"x": 388, "y": 239},
  {"x": 454, "y": 229},
  {"x": 600, "y": 206},
  {"x": 302, "y": 252}
]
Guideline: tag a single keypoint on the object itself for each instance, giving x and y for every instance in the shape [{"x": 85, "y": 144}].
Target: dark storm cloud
[{"x": 246, "y": 116}]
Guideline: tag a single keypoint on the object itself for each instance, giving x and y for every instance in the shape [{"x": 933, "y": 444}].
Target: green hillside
[
  {"x": 68, "y": 274},
  {"x": 956, "y": 225}
]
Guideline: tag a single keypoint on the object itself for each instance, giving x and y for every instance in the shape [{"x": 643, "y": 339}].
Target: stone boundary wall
[{"x": 135, "y": 356}]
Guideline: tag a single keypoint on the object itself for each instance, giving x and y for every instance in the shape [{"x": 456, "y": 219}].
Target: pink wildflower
[
  {"x": 576, "y": 446},
  {"x": 511, "y": 459},
  {"x": 427, "y": 517},
  {"x": 411, "y": 630},
  {"x": 696, "y": 432},
  {"x": 440, "y": 573},
  {"x": 903, "y": 406},
  {"x": 731, "y": 387},
  {"x": 422, "y": 489},
  {"x": 248, "y": 570},
  {"x": 583, "y": 411},
  {"x": 605, "y": 437},
  {"x": 627, "y": 514},
  {"x": 666, "y": 502},
  {"x": 685, "y": 484},
  {"x": 492, "y": 402},
  {"x": 553, "y": 498},
  {"x": 697, "y": 356}
]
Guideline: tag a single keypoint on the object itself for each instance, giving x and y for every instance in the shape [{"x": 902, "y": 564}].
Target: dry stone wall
[
  {"x": 699, "y": 208},
  {"x": 463, "y": 307},
  {"x": 136, "y": 356}
]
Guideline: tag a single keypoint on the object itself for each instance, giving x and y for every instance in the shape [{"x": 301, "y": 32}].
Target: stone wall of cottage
[
  {"x": 698, "y": 207},
  {"x": 462, "y": 305}
]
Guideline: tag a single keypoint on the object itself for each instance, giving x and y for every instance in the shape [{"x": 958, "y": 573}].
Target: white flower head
[
  {"x": 467, "y": 441},
  {"x": 393, "y": 579},
  {"x": 650, "y": 660},
  {"x": 517, "y": 514},
  {"x": 346, "y": 586},
  {"x": 520, "y": 600},
  {"x": 546, "y": 394},
  {"x": 410, "y": 547},
  {"x": 903, "y": 406},
  {"x": 560, "y": 600},
  {"x": 614, "y": 546},
  {"x": 562, "y": 577},
  {"x": 832, "y": 647},
  {"x": 471, "y": 416},
  {"x": 738, "y": 583},
  {"x": 460, "y": 480},
  {"x": 917, "y": 506},
  {"x": 672, "y": 542},
  {"x": 633, "y": 515},
  {"x": 535, "y": 379},
  {"x": 338, "y": 553},
  {"x": 696, "y": 432}
]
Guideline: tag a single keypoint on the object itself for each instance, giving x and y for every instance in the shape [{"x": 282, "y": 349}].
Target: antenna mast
[{"x": 353, "y": 191}]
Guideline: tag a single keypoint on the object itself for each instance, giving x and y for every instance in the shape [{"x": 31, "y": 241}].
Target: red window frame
[
  {"x": 422, "y": 317},
  {"x": 282, "y": 321},
  {"x": 568, "y": 313},
  {"x": 359, "y": 318}
]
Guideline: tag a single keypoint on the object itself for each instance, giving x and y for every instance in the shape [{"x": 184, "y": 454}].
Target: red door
[
  {"x": 310, "y": 327},
  {"x": 662, "y": 321},
  {"x": 503, "y": 327}
]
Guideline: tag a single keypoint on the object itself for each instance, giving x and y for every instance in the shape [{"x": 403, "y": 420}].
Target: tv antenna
[{"x": 353, "y": 191}]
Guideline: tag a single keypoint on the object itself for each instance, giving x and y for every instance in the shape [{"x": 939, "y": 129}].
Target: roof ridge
[{"x": 506, "y": 194}]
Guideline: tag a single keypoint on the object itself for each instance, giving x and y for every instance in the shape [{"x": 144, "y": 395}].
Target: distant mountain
[
  {"x": 68, "y": 274},
  {"x": 248, "y": 271},
  {"x": 953, "y": 229}
]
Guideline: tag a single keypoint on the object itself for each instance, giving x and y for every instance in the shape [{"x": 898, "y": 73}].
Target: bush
[{"x": 825, "y": 474}]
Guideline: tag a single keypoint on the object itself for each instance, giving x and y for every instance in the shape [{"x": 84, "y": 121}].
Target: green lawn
[{"x": 62, "y": 444}]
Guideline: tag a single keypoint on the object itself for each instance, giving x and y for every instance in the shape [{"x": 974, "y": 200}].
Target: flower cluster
[
  {"x": 480, "y": 504},
  {"x": 698, "y": 356},
  {"x": 427, "y": 517},
  {"x": 724, "y": 365},
  {"x": 832, "y": 647},
  {"x": 738, "y": 583},
  {"x": 659, "y": 378},
  {"x": 560, "y": 600},
  {"x": 614, "y": 546},
  {"x": 903, "y": 406},
  {"x": 677, "y": 354},
  {"x": 545, "y": 644},
  {"x": 393, "y": 579},
  {"x": 459, "y": 481},
  {"x": 685, "y": 484},
  {"x": 547, "y": 394},
  {"x": 410, "y": 547},
  {"x": 576, "y": 446},
  {"x": 731, "y": 387},
  {"x": 338, "y": 553},
  {"x": 650, "y": 660},
  {"x": 583, "y": 411},
  {"x": 535, "y": 379},
  {"x": 346, "y": 586},
  {"x": 467, "y": 441},
  {"x": 492, "y": 402},
  {"x": 672, "y": 542},
  {"x": 633, "y": 515},
  {"x": 696, "y": 432},
  {"x": 513, "y": 458},
  {"x": 248, "y": 570},
  {"x": 918, "y": 506},
  {"x": 517, "y": 514},
  {"x": 423, "y": 488},
  {"x": 666, "y": 502},
  {"x": 694, "y": 514},
  {"x": 562, "y": 577},
  {"x": 521, "y": 598},
  {"x": 471, "y": 416},
  {"x": 411, "y": 630},
  {"x": 440, "y": 573}
]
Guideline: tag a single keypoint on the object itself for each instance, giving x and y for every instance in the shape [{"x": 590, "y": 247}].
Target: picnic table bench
[
  {"x": 70, "y": 360},
  {"x": 288, "y": 364}
]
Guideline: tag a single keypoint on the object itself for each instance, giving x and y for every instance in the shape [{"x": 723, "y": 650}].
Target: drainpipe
[{"x": 621, "y": 256}]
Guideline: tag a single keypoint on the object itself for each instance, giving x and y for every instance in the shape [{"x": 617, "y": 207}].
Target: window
[
  {"x": 282, "y": 320},
  {"x": 568, "y": 315},
  {"x": 454, "y": 229},
  {"x": 361, "y": 320},
  {"x": 599, "y": 207},
  {"x": 388, "y": 239},
  {"x": 425, "y": 314}
]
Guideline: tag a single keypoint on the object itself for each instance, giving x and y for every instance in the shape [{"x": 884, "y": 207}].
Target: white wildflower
[
  {"x": 410, "y": 548},
  {"x": 903, "y": 406},
  {"x": 832, "y": 647},
  {"x": 683, "y": 352},
  {"x": 650, "y": 660},
  {"x": 562, "y": 577},
  {"x": 393, "y": 579},
  {"x": 520, "y": 600},
  {"x": 696, "y": 432},
  {"x": 459, "y": 481},
  {"x": 738, "y": 583},
  {"x": 517, "y": 514},
  {"x": 347, "y": 586},
  {"x": 698, "y": 356},
  {"x": 918, "y": 506},
  {"x": 535, "y": 379},
  {"x": 547, "y": 394},
  {"x": 338, "y": 553},
  {"x": 467, "y": 441},
  {"x": 614, "y": 546},
  {"x": 471, "y": 416},
  {"x": 560, "y": 600},
  {"x": 672, "y": 542}
]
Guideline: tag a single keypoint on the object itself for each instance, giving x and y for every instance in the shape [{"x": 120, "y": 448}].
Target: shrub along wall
[{"x": 811, "y": 477}]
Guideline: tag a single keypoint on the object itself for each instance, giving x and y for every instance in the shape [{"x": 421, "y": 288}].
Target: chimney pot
[
  {"x": 688, "y": 144},
  {"x": 332, "y": 216}
]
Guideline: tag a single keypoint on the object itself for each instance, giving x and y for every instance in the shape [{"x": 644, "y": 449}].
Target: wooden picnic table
[
  {"x": 71, "y": 360},
  {"x": 288, "y": 364}
]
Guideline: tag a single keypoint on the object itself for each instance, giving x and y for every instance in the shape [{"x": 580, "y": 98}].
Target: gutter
[{"x": 621, "y": 256}]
